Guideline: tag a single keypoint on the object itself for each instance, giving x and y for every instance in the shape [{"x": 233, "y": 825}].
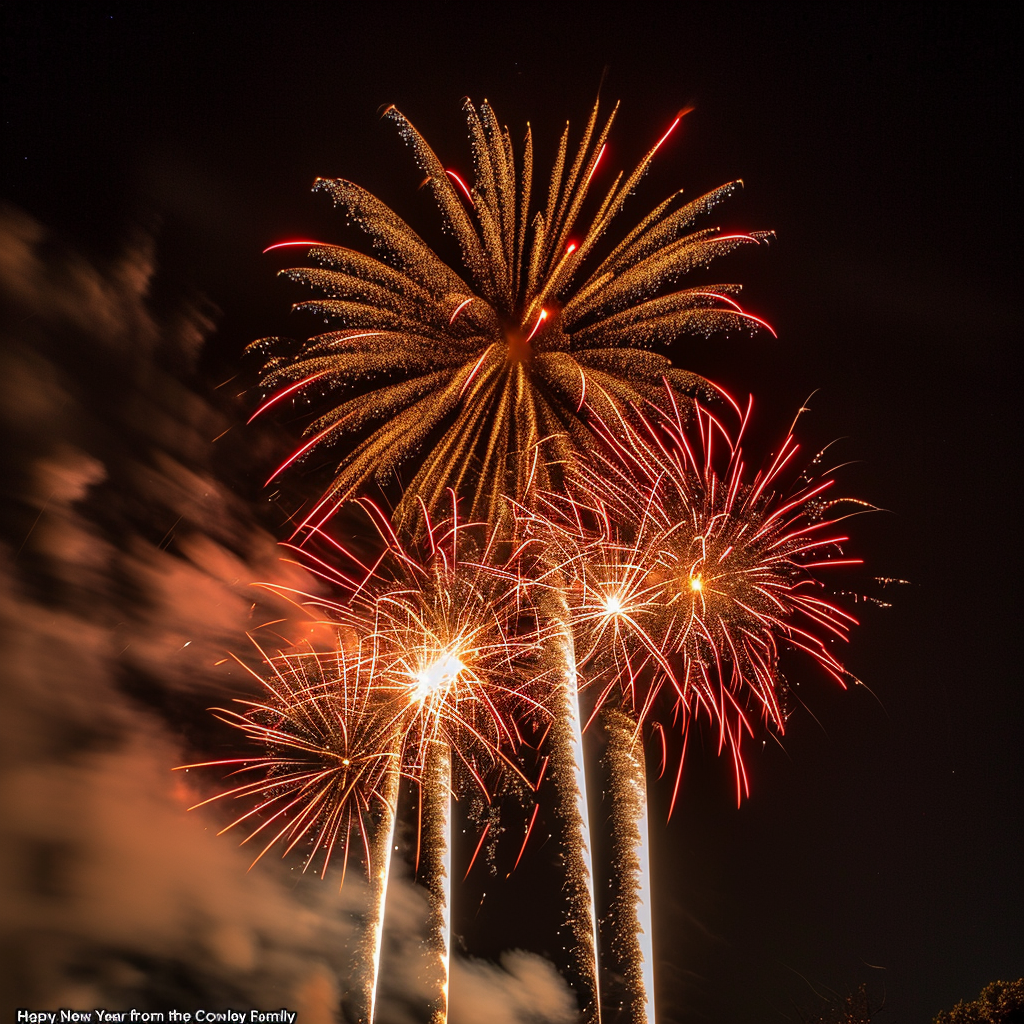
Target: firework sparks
[
  {"x": 499, "y": 379},
  {"x": 479, "y": 372},
  {"x": 456, "y": 639},
  {"x": 711, "y": 571},
  {"x": 327, "y": 778}
]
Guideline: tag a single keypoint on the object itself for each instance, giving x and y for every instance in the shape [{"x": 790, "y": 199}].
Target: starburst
[
  {"x": 327, "y": 749},
  {"x": 690, "y": 574},
  {"x": 512, "y": 358},
  {"x": 458, "y": 640}
]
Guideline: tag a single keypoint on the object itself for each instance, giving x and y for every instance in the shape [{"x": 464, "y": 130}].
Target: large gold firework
[{"x": 481, "y": 374}]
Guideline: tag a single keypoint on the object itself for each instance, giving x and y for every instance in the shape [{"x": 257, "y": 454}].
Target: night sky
[{"x": 151, "y": 154}]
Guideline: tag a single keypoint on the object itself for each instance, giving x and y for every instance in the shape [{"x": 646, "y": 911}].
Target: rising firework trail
[
  {"x": 632, "y": 935},
  {"x": 436, "y": 864},
  {"x": 568, "y": 770},
  {"x": 380, "y": 872}
]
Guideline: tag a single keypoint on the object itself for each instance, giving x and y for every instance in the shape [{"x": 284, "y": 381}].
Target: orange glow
[{"x": 437, "y": 676}]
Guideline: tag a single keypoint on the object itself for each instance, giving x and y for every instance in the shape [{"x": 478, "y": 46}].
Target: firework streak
[
  {"x": 436, "y": 865},
  {"x": 569, "y": 774},
  {"x": 380, "y": 868},
  {"x": 632, "y": 940}
]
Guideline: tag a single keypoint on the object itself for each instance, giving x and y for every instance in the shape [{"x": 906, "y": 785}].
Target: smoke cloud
[{"x": 129, "y": 552}]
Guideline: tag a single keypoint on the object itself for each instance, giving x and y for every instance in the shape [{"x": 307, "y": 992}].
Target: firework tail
[
  {"x": 569, "y": 776},
  {"x": 436, "y": 868},
  {"x": 632, "y": 939},
  {"x": 380, "y": 869}
]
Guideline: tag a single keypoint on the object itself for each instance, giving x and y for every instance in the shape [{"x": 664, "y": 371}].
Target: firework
[
  {"x": 686, "y": 577},
  {"x": 496, "y": 378},
  {"x": 478, "y": 374},
  {"x": 327, "y": 778},
  {"x": 702, "y": 572},
  {"x": 460, "y": 646},
  {"x": 457, "y": 653},
  {"x": 631, "y": 912},
  {"x": 501, "y": 376}
]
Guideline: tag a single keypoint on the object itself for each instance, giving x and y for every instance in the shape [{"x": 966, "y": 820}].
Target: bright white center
[
  {"x": 695, "y": 584},
  {"x": 612, "y": 605},
  {"x": 438, "y": 674}
]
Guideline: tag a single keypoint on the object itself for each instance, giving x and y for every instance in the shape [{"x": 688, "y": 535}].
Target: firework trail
[
  {"x": 565, "y": 741},
  {"x": 631, "y": 914},
  {"x": 436, "y": 864},
  {"x": 380, "y": 870}
]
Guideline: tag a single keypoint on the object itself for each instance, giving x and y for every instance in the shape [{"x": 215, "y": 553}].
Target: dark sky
[{"x": 151, "y": 154}]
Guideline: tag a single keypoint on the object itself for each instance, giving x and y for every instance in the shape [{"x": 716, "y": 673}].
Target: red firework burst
[{"x": 689, "y": 574}]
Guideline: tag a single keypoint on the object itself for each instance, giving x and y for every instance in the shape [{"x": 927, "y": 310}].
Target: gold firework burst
[
  {"x": 480, "y": 374},
  {"x": 329, "y": 755}
]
